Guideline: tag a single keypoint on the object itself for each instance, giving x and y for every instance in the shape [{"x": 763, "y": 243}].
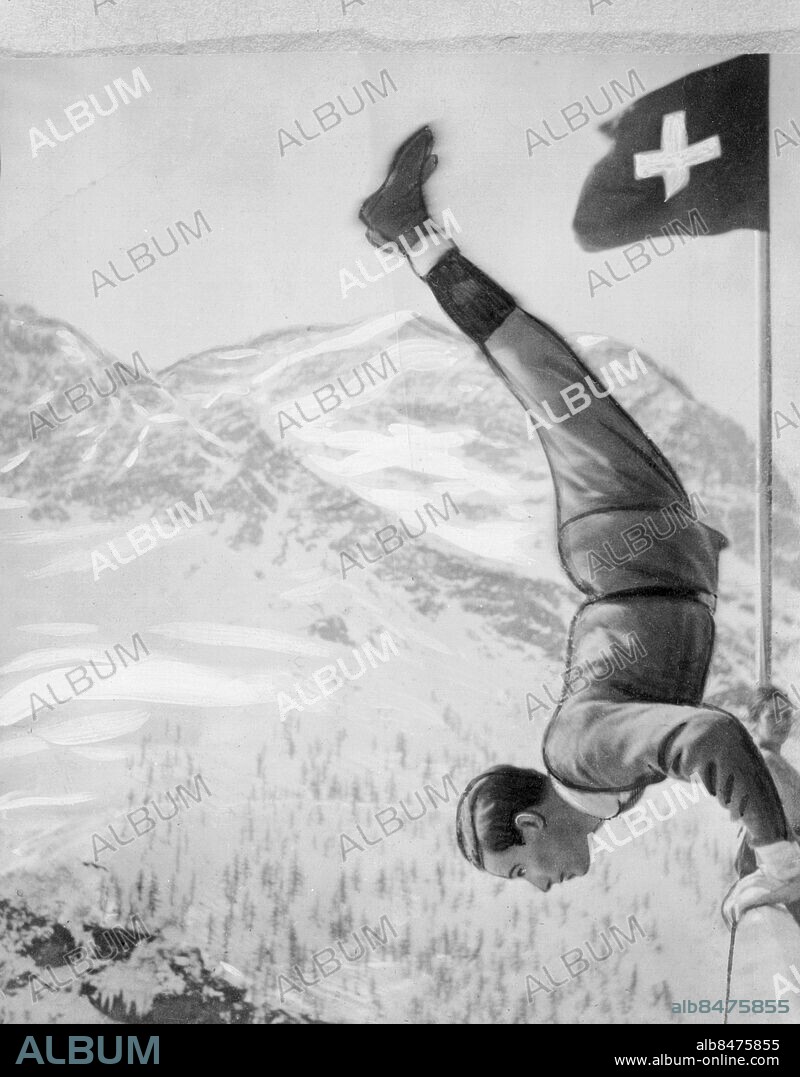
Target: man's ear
[{"x": 530, "y": 820}]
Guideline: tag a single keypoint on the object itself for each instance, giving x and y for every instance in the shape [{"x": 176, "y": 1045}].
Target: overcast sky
[{"x": 283, "y": 227}]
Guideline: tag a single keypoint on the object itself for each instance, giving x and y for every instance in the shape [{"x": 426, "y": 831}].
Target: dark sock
[{"x": 474, "y": 301}]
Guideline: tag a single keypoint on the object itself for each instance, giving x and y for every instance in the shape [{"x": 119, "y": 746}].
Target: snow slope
[{"x": 240, "y": 608}]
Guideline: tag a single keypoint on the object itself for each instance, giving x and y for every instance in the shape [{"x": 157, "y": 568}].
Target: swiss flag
[{"x": 700, "y": 143}]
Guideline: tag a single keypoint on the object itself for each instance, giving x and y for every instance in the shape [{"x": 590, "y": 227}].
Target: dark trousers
[{"x": 625, "y": 521}]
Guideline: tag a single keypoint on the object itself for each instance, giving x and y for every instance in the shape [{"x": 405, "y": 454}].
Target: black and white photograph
[{"x": 400, "y": 459}]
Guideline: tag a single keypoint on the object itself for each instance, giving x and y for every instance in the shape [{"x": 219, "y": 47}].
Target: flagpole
[{"x": 763, "y": 545}]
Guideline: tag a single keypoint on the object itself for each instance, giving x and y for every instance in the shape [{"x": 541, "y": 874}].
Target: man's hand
[{"x": 776, "y": 881}]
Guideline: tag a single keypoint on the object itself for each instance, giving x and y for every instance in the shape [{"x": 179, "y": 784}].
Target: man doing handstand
[{"x": 614, "y": 490}]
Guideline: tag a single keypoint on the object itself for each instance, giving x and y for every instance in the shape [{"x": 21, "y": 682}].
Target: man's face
[{"x": 555, "y": 849}]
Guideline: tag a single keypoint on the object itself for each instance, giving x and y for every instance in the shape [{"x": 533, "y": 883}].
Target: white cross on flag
[
  {"x": 676, "y": 157},
  {"x": 698, "y": 145}
]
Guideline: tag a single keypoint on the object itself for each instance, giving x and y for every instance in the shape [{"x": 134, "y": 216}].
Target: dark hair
[{"x": 488, "y": 805}]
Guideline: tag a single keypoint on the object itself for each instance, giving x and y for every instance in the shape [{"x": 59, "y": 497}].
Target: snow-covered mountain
[{"x": 269, "y": 466}]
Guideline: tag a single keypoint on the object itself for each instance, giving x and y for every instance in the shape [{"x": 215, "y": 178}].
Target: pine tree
[{"x": 152, "y": 897}]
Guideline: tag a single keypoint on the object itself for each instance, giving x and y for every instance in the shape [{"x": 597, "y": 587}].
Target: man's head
[
  {"x": 769, "y": 717},
  {"x": 512, "y": 823}
]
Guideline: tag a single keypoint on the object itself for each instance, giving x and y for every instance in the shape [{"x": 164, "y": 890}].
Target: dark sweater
[{"x": 633, "y": 714}]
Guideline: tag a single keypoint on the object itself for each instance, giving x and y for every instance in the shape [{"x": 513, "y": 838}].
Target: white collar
[{"x": 600, "y": 805}]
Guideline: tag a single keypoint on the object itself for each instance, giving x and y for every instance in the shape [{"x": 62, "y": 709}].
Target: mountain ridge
[{"x": 478, "y": 609}]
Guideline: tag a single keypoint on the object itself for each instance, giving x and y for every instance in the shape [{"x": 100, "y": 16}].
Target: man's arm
[
  {"x": 717, "y": 748},
  {"x": 627, "y": 745},
  {"x": 624, "y": 745}
]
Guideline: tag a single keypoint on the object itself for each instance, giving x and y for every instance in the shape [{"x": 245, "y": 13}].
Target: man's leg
[
  {"x": 600, "y": 457},
  {"x": 625, "y": 521},
  {"x": 610, "y": 479}
]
